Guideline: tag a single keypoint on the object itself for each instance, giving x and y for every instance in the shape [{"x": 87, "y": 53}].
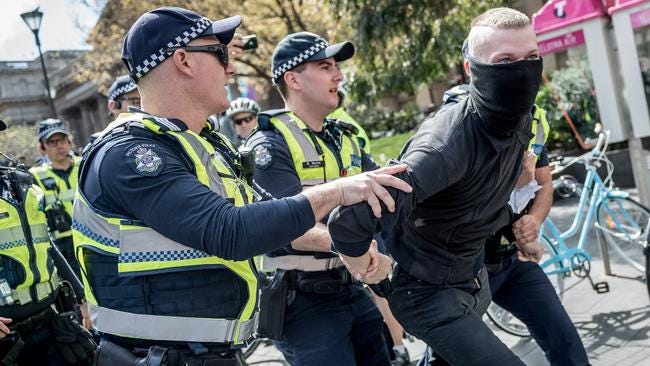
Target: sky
[{"x": 65, "y": 25}]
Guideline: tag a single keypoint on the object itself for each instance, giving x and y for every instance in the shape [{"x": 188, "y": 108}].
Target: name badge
[{"x": 313, "y": 164}]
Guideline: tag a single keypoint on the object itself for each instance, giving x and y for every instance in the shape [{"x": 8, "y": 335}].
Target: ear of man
[{"x": 183, "y": 62}]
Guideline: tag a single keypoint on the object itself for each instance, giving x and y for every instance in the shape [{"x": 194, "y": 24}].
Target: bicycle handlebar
[{"x": 597, "y": 151}]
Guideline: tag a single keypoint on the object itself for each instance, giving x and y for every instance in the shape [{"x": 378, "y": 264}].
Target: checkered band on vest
[
  {"x": 122, "y": 90},
  {"x": 298, "y": 59},
  {"x": 179, "y": 41}
]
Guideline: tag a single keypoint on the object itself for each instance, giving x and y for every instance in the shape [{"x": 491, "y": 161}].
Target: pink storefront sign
[
  {"x": 557, "y": 14},
  {"x": 640, "y": 18},
  {"x": 561, "y": 43}
]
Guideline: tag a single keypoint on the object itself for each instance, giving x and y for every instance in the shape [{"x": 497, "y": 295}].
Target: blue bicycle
[{"x": 620, "y": 220}]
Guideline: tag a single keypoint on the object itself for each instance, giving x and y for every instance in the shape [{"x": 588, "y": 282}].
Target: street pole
[
  {"x": 47, "y": 81},
  {"x": 33, "y": 20}
]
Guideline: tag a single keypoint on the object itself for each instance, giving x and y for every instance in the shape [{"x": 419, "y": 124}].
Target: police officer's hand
[
  {"x": 532, "y": 251},
  {"x": 526, "y": 229},
  {"x": 382, "y": 266},
  {"x": 369, "y": 187},
  {"x": 4, "y": 329},
  {"x": 527, "y": 169},
  {"x": 359, "y": 266}
]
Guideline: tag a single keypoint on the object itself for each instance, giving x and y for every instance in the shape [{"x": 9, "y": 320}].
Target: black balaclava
[{"x": 504, "y": 93}]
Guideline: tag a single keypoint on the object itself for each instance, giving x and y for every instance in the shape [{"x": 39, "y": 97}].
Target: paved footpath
[{"x": 615, "y": 326}]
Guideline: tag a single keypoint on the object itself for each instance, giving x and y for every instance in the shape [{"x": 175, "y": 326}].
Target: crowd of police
[{"x": 167, "y": 243}]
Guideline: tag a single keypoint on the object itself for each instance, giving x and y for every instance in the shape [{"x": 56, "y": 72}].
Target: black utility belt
[
  {"x": 332, "y": 281},
  {"x": 190, "y": 354}
]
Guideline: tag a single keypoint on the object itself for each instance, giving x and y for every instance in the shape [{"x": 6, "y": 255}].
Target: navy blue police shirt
[
  {"x": 276, "y": 173},
  {"x": 152, "y": 180},
  {"x": 274, "y": 167}
]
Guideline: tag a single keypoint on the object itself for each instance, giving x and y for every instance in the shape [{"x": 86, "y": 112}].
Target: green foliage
[
  {"x": 19, "y": 141},
  {"x": 573, "y": 87},
  {"x": 379, "y": 120},
  {"x": 402, "y": 44},
  {"x": 560, "y": 136},
  {"x": 388, "y": 147}
]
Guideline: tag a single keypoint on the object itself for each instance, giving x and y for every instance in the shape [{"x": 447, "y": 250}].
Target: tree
[
  {"x": 403, "y": 44},
  {"x": 270, "y": 20}
]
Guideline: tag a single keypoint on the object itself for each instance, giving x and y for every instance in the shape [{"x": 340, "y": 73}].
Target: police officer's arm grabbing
[{"x": 526, "y": 228}]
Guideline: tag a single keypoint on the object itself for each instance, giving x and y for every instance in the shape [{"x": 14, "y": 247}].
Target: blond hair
[
  {"x": 501, "y": 18},
  {"x": 497, "y": 18}
]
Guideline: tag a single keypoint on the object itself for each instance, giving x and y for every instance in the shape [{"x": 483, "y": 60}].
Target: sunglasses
[
  {"x": 220, "y": 51},
  {"x": 239, "y": 121}
]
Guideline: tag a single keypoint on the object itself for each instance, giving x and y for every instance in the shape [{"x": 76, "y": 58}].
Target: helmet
[{"x": 240, "y": 105}]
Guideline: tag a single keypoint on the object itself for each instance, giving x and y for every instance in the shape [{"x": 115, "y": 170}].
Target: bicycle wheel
[
  {"x": 623, "y": 222},
  {"x": 507, "y": 322}
]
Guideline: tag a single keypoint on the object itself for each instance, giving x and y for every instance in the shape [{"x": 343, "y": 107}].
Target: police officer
[
  {"x": 464, "y": 163},
  {"x": 243, "y": 114},
  {"x": 37, "y": 323},
  {"x": 331, "y": 320},
  {"x": 163, "y": 222},
  {"x": 58, "y": 180},
  {"x": 122, "y": 94}
]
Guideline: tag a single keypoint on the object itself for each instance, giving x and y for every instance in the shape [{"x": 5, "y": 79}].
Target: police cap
[
  {"x": 49, "y": 127},
  {"x": 121, "y": 86},
  {"x": 301, "y": 47},
  {"x": 145, "y": 43}
]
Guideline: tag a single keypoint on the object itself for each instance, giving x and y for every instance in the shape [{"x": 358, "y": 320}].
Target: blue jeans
[
  {"x": 334, "y": 329},
  {"x": 524, "y": 290},
  {"x": 448, "y": 319}
]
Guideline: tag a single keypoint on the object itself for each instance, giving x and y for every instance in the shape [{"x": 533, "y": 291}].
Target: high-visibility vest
[
  {"x": 24, "y": 239},
  {"x": 314, "y": 162},
  {"x": 341, "y": 115},
  {"x": 541, "y": 129},
  {"x": 63, "y": 190},
  {"x": 141, "y": 251}
]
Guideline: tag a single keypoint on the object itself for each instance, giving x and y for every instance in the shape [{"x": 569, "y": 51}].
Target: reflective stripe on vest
[
  {"x": 172, "y": 328},
  {"x": 312, "y": 168},
  {"x": 143, "y": 251},
  {"x": 14, "y": 246},
  {"x": 299, "y": 262},
  {"x": 541, "y": 129}
]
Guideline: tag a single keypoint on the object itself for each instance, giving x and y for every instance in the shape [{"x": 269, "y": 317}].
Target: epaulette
[
  {"x": 346, "y": 127},
  {"x": 264, "y": 118}
]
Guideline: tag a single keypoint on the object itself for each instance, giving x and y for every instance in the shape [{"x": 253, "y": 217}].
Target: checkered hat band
[
  {"x": 181, "y": 40},
  {"x": 298, "y": 59},
  {"x": 122, "y": 90},
  {"x": 55, "y": 127}
]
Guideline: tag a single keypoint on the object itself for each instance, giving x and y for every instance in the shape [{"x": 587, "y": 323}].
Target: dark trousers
[
  {"x": 334, "y": 329},
  {"x": 448, "y": 319},
  {"x": 524, "y": 290}
]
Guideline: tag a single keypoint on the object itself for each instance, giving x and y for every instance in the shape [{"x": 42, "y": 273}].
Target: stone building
[{"x": 23, "y": 98}]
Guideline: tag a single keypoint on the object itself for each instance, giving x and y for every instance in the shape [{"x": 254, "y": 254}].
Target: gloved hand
[{"x": 74, "y": 341}]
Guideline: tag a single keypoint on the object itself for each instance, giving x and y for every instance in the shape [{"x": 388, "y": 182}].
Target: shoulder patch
[
  {"x": 145, "y": 159},
  {"x": 263, "y": 155}
]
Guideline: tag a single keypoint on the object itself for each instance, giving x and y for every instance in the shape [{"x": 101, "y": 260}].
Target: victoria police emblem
[
  {"x": 262, "y": 156},
  {"x": 145, "y": 159}
]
